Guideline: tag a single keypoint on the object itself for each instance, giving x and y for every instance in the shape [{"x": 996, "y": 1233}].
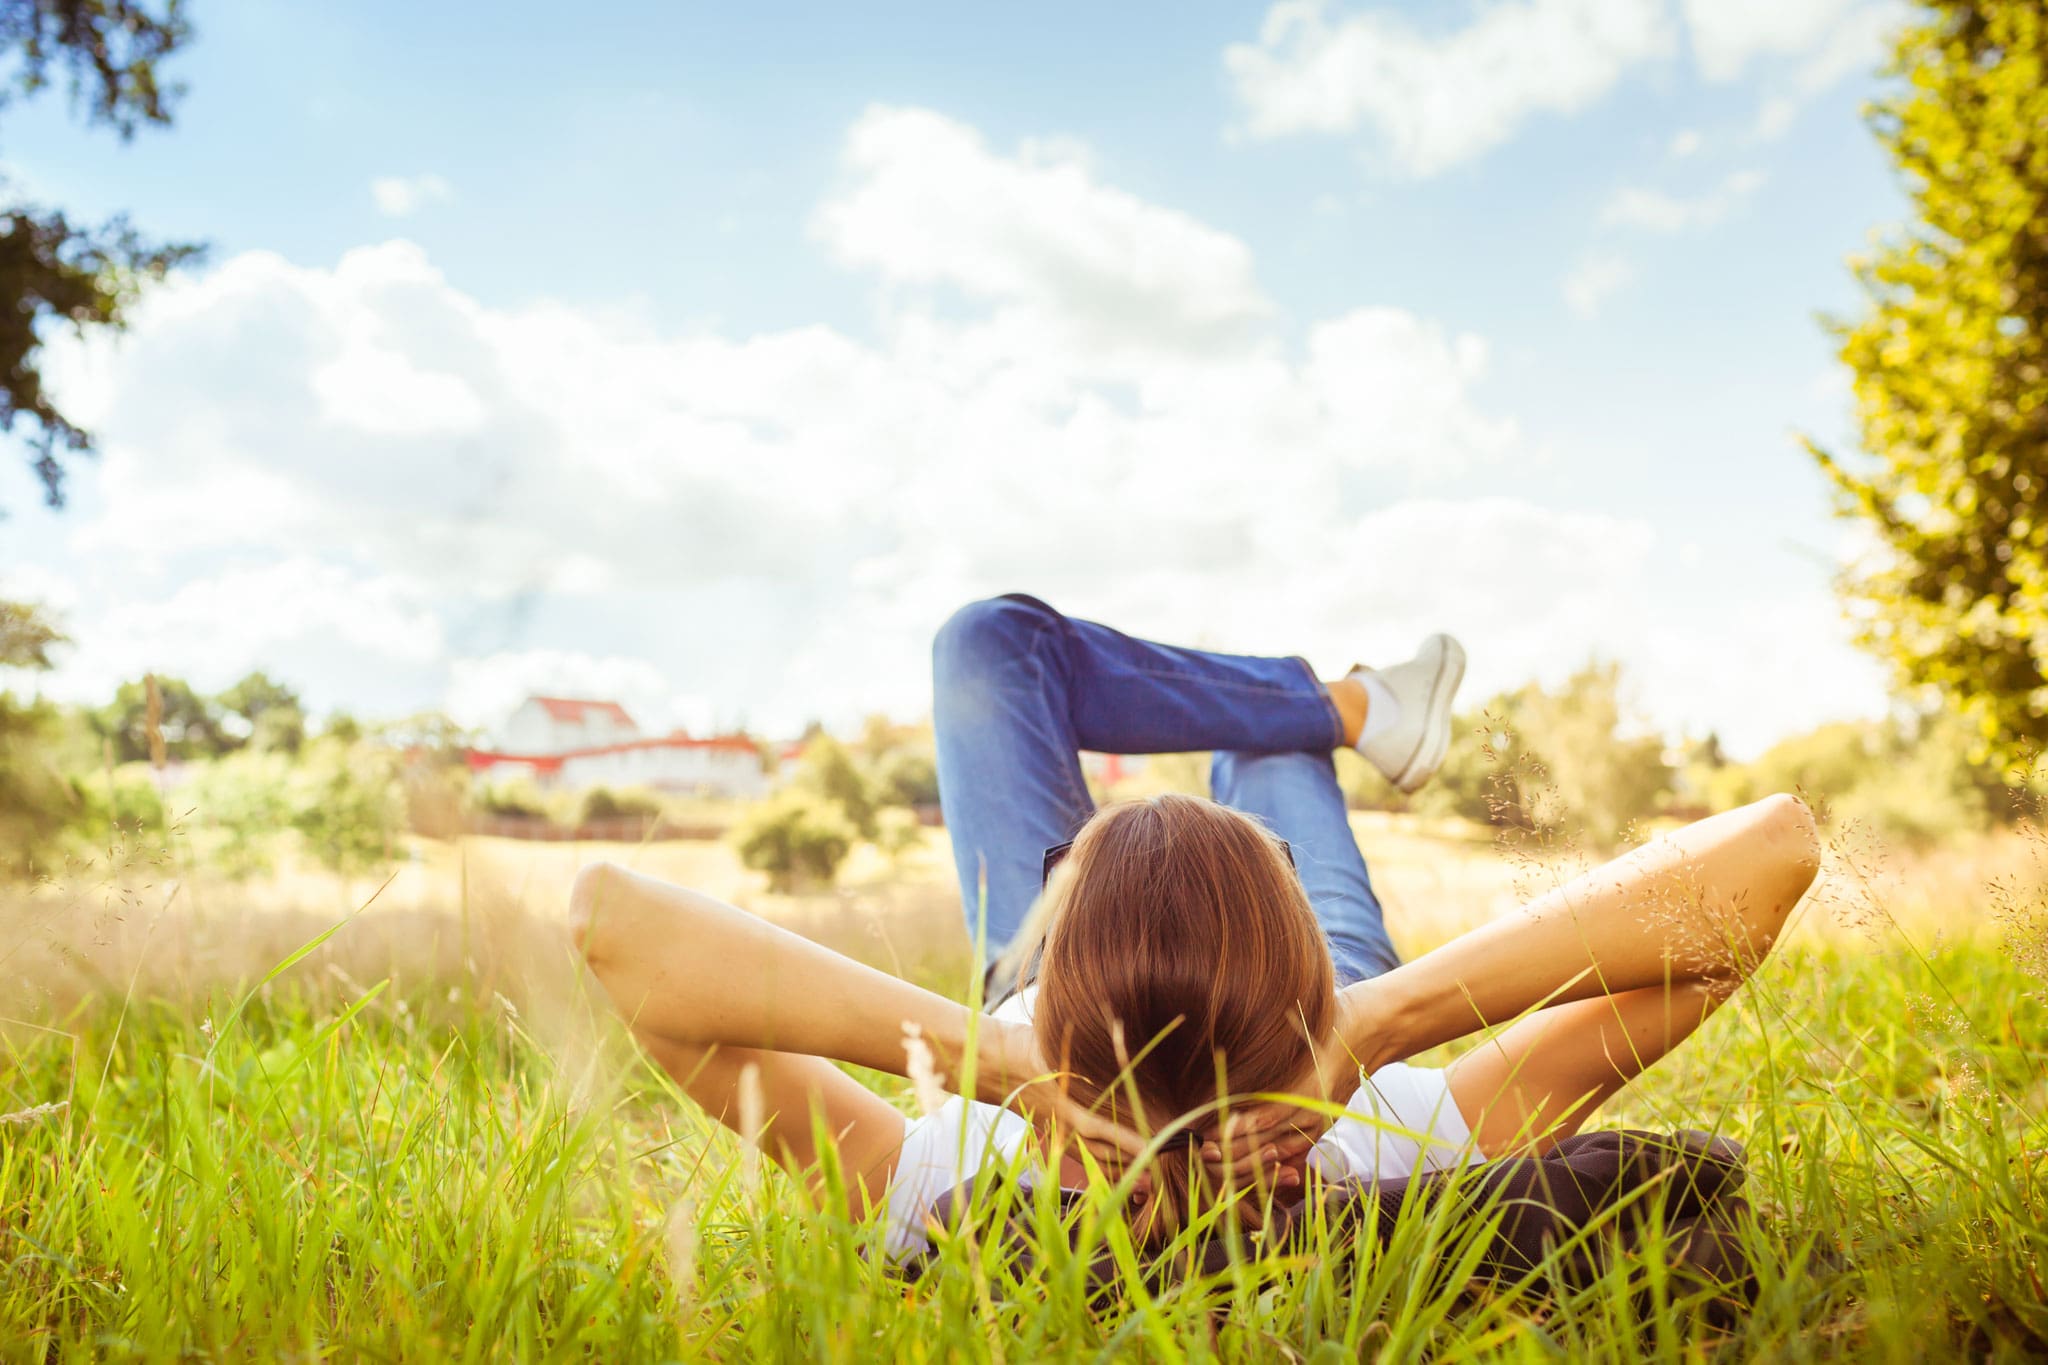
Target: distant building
[{"x": 573, "y": 743}]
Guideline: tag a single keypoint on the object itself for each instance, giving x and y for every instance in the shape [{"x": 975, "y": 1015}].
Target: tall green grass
[{"x": 415, "y": 1173}]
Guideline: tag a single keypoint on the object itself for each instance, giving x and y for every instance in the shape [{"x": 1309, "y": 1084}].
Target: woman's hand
[
  {"x": 1012, "y": 1071},
  {"x": 1275, "y": 1136}
]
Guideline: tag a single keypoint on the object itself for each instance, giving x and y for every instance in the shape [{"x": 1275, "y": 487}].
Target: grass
[{"x": 445, "y": 1156}]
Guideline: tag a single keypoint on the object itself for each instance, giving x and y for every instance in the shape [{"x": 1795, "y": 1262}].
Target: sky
[{"x": 707, "y": 357}]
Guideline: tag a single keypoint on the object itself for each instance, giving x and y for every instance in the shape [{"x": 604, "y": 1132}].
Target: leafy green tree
[
  {"x": 829, "y": 771},
  {"x": 1602, "y": 778},
  {"x": 1562, "y": 759},
  {"x": 798, "y": 837},
  {"x": 51, "y": 269},
  {"x": 1950, "y": 362},
  {"x": 271, "y": 713},
  {"x": 191, "y": 722},
  {"x": 1912, "y": 779}
]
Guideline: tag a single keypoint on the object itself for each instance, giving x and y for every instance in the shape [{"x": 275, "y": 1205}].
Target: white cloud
[
  {"x": 401, "y": 196},
  {"x": 1727, "y": 34},
  {"x": 1807, "y": 47},
  {"x": 298, "y": 615},
  {"x": 1685, "y": 143},
  {"x": 927, "y": 204},
  {"x": 366, "y": 480},
  {"x": 1593, "y": 280},
  {"x": 1655, "y": 211},
  {"x": 1436, "y": 99}
]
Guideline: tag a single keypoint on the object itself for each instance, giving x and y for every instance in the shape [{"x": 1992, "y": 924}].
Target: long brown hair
[{"x": 1180, "y": 951}]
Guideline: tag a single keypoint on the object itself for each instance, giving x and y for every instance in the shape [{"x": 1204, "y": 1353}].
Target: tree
[
  {"x": 271, "y": 712},
  {"x": 829, "y": 771},
  {"x": 1553, "y": 760},
  {"x": 26, "y": 636},
  {"x": 1951, "y": 376},
  {"x": 51, "y": 269},
  {"x": 191, "y": 723}
]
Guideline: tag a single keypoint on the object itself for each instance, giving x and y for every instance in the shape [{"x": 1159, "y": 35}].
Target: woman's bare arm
[
  {"x": 1603, "y": 975},
  {"x": 1704, "y": 903},
  {"x": 696, "y": 973}
]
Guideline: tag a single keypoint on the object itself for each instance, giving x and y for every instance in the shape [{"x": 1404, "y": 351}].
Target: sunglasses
[{"x": 1054, "y": 854}]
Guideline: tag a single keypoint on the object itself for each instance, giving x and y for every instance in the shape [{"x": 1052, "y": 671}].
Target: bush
[
  {"x": 797, "y": 837},
  {"x": 239, "y": 806},
  {"x": 117, "y": 804},
  {"x": 1909, "y": 779},
  {"x": 602, "y": 803},
  {"x": 907, "y": 777},
  {"x": 828, "y": 771},
  {"x": 346, "y": 804},
  {"x": 513, "y": 797}
]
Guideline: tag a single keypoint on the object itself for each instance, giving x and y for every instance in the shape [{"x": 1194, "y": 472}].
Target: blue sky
[{"x": 706, "y": 355}]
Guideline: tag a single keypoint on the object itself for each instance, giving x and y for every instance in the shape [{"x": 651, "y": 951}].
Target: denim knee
[{"x": 987, "y": 631}]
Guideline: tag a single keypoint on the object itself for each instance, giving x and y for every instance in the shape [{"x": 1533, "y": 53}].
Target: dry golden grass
[{"x": 486, "y": 911}]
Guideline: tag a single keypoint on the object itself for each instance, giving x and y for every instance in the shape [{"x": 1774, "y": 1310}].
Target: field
[{"x": 420, "y": 1142}]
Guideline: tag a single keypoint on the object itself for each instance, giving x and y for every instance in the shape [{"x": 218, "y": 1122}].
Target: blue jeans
[{"x": 1019, "y": 690}]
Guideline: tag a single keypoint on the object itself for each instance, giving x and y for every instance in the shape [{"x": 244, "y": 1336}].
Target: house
[
  {"x": 557, "y": 725},
  {"x": 572, "y": 743}
]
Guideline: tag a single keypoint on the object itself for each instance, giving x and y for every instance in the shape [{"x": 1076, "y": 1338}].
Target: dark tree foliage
[
  {"x": 1950, "y": 360},
  {"x": 191, "y": 723},
  {"x": 106, "y": 52}
]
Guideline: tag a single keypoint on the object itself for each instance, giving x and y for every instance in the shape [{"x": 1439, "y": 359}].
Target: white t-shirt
[{"x": 1402, "y": 1121}]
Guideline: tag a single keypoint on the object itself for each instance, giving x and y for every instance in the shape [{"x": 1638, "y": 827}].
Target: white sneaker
[{"x": 1412, "y": 748}]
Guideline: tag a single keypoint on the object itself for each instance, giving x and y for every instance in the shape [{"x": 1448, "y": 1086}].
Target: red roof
[
  {"x": 577, "y": 709},
  {"x": 484, "y": 758}
]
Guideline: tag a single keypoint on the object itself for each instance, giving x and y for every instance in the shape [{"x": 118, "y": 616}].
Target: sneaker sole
[{"x": 1435, "y": 742}]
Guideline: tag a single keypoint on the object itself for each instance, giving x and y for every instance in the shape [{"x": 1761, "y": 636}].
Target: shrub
[
  {"x": 828, "y": 771},
  {"x": 515, "y": 797},
  {"x": 346, "y": 804},
  {"x": 602, "y": 803},
  {"x": 1913, "y": 780},
  {"x": 907, "y": 777},
  {"x": 239, "y": 806},
  {"x": 117, "y": 803},
  {"x": 797, "y": 837}
]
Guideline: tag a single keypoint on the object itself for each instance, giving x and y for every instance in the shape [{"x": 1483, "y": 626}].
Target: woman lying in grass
[{"x": 1187, "y": 951}]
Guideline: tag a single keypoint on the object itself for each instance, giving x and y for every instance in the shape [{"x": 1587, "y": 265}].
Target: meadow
[{"x": 305, "y": 1118}]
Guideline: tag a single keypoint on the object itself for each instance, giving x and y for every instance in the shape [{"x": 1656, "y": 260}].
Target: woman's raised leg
[
  {"x": 1298, "y": 798},
  {"x": 1019, "y": 689}
]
